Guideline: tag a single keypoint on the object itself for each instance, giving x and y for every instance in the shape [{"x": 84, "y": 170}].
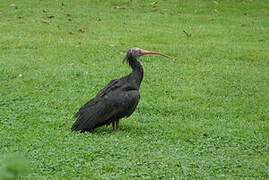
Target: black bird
[{"x": 116, "y": 100}]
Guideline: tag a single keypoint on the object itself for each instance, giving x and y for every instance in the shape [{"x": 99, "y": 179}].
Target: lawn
[{"x": 202, "y": 114}]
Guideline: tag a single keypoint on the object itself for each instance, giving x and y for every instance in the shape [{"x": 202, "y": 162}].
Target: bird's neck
[{"x": 138, "y": 72}]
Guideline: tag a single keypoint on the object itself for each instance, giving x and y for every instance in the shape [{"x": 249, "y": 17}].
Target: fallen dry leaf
[
  {"x": 82, "y": 30},
  {"x": 45, "y": 21},
  {"x": 120, "y": 7},
  {"x": 153, "y": 9}
]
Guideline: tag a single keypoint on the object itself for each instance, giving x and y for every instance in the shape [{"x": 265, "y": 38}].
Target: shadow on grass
[{"x": 128, "y": 129}]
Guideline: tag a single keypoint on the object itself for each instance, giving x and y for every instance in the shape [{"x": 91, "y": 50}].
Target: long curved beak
[{"x": 144, "y": 52}]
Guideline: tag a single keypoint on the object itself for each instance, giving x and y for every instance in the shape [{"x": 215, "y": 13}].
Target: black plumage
[{"x": 116, "y": 100}]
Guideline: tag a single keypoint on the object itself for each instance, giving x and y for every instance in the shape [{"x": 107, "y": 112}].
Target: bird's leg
[{"x": 115, "y": 125}]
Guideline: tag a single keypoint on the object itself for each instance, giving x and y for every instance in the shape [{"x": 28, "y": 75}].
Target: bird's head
[{"x": 135, "y": 53}]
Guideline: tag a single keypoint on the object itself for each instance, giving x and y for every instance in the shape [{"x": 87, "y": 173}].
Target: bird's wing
[
  {"x": 113, "y": 84},
  {"x": 85, "y": 106},
  {"x": 91, "y": 114},
  {"x": 104, "y": 109}
]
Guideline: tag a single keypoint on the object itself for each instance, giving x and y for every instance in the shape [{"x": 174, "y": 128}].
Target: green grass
[{"x": 203, "y": 114}]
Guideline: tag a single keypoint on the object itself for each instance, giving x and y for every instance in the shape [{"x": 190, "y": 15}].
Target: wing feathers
[
  {"x": 111, "y": 103},
  {"x": 92, "y": 116}
]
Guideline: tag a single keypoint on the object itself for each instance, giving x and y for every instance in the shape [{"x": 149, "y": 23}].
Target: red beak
[{"x": 143, "y": 52}]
